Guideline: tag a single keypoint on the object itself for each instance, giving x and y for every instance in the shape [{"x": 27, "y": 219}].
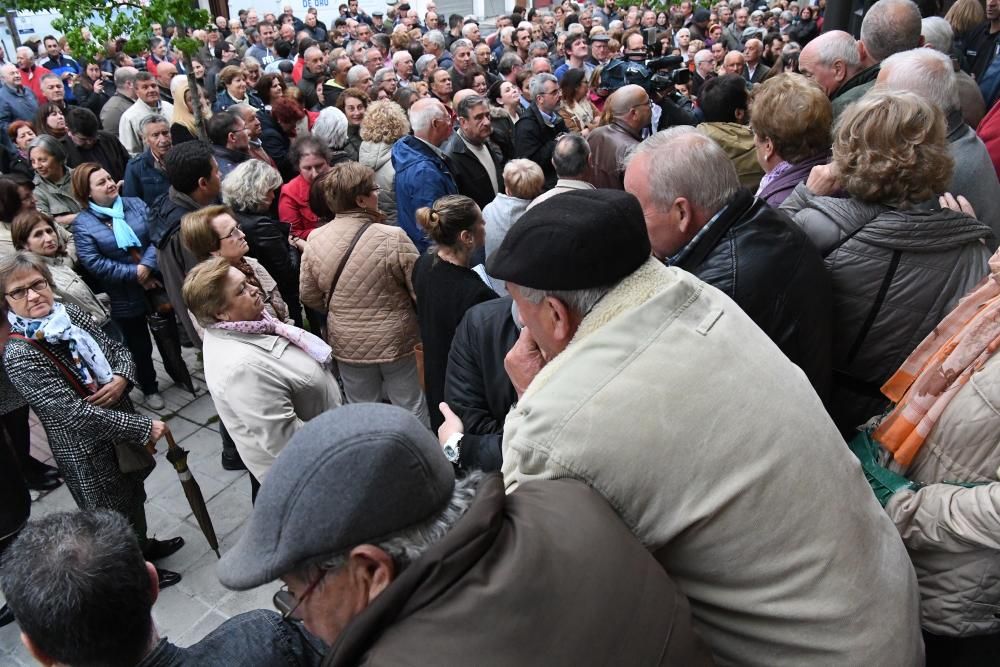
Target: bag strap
[
  {"x": 883, "y": 290},
  {"x": 343, "y": 263},
  {"x": 74, "y": 382}
]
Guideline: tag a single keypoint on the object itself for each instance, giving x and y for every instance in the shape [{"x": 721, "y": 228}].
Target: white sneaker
[
  {"x": 154, "y": 401},
  {"x": 136, "y": 396}
]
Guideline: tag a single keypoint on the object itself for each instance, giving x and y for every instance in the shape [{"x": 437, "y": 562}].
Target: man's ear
[
  {"x": 154, "y": 581},
  {"x": 372, "y": 571},
  {"x": 36, "y": 652}
]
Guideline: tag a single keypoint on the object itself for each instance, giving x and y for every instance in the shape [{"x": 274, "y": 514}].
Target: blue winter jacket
[
  {"x": 15, "y": 106},
  {"x": 144, "y": 180},
  {"x": 99, "y": 254},
  {"x": 421, "y": 178}
]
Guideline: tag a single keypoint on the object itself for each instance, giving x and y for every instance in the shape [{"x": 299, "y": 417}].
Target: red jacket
[
  {"x": 293, "y": 207},
  {"x": 33, "y": 80},
  {"x": 989, "y": 132}
]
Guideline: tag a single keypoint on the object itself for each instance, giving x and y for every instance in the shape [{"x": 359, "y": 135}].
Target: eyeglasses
[
  {"x": 236, "y": 231},
  {"x": 286, "y": 603},
  {"x": 39, "y": 286},
  {"x": 376, "y": 189}
]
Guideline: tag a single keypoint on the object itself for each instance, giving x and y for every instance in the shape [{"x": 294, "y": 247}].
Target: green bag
[{"x": 883, "y": 481}]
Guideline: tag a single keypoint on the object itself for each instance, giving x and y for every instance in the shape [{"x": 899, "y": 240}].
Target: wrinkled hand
[
  {"x": 823, "y": 180},
  {"x": 452, "y": 423},
  {"x": 110, "y": 393},
  {"x": 143, "y": 273},
  {"x": 158, "y": 431},
  {"x": 152, "y": 283},
  {"x": 523, "y": 361},
  {"x": 962, "y": 205}
]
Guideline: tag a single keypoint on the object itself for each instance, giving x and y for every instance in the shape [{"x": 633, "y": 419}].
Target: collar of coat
[{"x": 632, "y": 291}]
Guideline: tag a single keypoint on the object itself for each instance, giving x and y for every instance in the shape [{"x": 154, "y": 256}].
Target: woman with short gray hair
[
  {"x": 53, "y": 180},
  {"x": 524, "y": 181},
  {"x": 250, "y": 190}
]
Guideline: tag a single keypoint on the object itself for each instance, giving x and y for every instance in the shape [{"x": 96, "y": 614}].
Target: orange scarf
[{"x": 940, "y": 366}]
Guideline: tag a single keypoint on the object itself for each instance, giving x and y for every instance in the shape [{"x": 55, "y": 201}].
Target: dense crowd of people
[{"x": 676, "y": 327}]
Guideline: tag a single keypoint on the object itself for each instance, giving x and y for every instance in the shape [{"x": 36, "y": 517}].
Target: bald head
[
  {"x": 890, "y": 26},
  {"x": 926, "y": 72},
  {"x": 630, "y": 105},
  {"x": 457, "y": 98},
  {"x": 830, "y": 60}
]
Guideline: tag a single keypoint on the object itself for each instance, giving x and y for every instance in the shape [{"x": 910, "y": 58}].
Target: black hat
[
  {"x": 575, "y": 240},
  {"x": 701, "y": 15}
]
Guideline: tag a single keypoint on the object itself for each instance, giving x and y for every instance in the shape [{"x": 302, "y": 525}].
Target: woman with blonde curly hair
[
  {"x": 898, "y": 261},
  {"x": 384, "y": 123}
]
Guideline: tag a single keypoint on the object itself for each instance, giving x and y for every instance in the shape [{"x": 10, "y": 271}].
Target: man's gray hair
[
  {"x": 421, "y": 116},
  {"x": 381, "y": 74},
  {"x": 683, "y": 162},
  {"x": 470, "y": 102},
  {"x": 580, "y": 301},
  {"x": 890, "y": 26},
  {"x": 399, "y": 55},
  {"x": 246, "y": 186},
  {"x": 538, "y": 84},
  {"x": 331, "y": 128},
  {"x": 21, "y": 50},
  {"x": 467, "y": 29},
  {"x": 926, "y": 72},
  {"x": 508, "y": 62},
  {"x": 703, "y": 56},
  {"x": 534, "y": 46},
  {"x": 838, "y": 45},
  {"x": 125, "y": 76},
  {"x": 937, "y": 33},
  {"x": 507, "y": 31},
  {"x": 407, "y": 545},
  {"x": 50, "y": 75},
  {"x": 435, "y": 37},
  {"x": 571, "y": 156},
  {"x": 152, "y": 119},
  {"x": 458, "y": 44},
  {"x": 422, "y": 62},
  {"x": 354, "y": 74}
]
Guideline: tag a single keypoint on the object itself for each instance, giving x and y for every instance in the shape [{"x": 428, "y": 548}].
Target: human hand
[
  {"x": 110, "y": 393},
  {"x": 823, "y": 180},
  {"x": 452, "y": 423},
  {"x": 143, "y": 273},
  {"x": 523, "y": 362},
  {"x": 158, "y": 431},
  {"x": 99, "y": 86},
  {"x": 961, "y": 204}
]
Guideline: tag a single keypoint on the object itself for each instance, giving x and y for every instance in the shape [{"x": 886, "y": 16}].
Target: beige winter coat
[
  {"x": 717, "y": 453},
  {"x": 953, "y": 533},
  {"x": 372, "y": 319}
]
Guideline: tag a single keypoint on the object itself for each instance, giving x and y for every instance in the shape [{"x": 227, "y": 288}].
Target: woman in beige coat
[{"x": 358, "y": 271}]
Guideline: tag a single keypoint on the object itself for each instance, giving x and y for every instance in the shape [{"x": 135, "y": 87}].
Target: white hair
[
  {"x": 926, "y": 72},
  {"x": 580, "y": 301},
  {"x": 422, "y": 115},
  {"x": 399, "y": 55},
  {"x": 838, "y": 45},
  {"x": 705, "y": 177},
  {"x": 331, "y": 128},
  {"x": 468, "y": 28},
  {"x": 937, "y": 33},
  {"x": 435, "y": 37},
  {"x": 890, "y": 26},
  {"x": 355, "y": 73}
]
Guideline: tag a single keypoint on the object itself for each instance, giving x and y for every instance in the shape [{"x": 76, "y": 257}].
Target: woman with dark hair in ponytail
[{"x": 445, "y": 285}]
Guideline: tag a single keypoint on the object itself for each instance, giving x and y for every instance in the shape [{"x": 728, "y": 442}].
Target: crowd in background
[{"x": 758, "y": 249}]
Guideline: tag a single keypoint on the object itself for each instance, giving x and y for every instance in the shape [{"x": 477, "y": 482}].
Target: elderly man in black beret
[
  {"x": 659, "y": 392},
  {"x": 391, "y": 560}
]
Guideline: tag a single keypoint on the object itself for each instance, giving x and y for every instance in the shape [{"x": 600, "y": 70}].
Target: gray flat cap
[{"x": 351, "y": 476}]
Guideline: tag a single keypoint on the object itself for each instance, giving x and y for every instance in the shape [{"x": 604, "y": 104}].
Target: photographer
[{"x": 93, "y": 88}]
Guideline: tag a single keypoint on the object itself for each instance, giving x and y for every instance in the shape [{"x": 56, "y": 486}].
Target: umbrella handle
[{"x": 171, "y": 444}]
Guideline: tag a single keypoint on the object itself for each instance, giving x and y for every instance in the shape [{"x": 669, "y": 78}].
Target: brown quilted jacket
[{"x": 371, "y": 319}]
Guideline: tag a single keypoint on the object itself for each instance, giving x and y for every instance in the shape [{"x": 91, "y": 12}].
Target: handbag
[
  {"x": 157, "y": 299},
  {"x": 343, "y": 263},
  {"x": 131, "y": 459}
]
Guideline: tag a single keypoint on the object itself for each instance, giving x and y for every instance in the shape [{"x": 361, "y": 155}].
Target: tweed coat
[{"x": 82, "y": 435}]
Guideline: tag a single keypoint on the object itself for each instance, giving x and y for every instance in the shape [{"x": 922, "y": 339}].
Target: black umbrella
[{"x": 178, "y": 457}]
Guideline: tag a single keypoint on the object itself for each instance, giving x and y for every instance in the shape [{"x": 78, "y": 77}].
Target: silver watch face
[{"x": 451, "y": 453}]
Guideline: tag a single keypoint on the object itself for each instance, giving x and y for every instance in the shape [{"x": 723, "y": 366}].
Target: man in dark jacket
[
  {"x": 699, "y": 220},
  {"x": 145, "y": 176},
  {"x": 477, "y": 390},
  {"x": 476, "y": 163},
  {"x": 538, "y": 128},
  {"x": 422, "y": 173},
  {"x": 397, "y": 590},
  {"x": 84, "y": 594},
  {"x": 86, "y": 142},
  {"x": 609, "y": 144},
  {"x": 230, "y": 140}
]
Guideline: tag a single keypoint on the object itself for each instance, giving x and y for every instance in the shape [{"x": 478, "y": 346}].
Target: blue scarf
[
  {"x": 124, "y": 236},
  {"x": 56, "y": 327}
]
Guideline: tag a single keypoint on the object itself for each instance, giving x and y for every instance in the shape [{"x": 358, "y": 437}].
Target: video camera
[{"x": 658, "y": 75}]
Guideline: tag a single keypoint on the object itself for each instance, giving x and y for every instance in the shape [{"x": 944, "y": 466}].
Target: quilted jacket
[
  {"x": 895, "y": 274},
  {"x": 372, "y": 319}
]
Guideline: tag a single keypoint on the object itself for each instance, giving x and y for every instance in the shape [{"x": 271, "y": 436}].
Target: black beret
[{"x": 575, "y": 240}]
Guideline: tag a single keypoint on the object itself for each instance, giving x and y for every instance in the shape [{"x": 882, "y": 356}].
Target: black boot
[
  {"x": 155, "y": 549},
  {"x": 167, "y": 578}
]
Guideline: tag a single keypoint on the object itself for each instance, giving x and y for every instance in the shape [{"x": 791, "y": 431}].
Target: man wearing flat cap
[
  {"x": 391, "y": 561},
  {"x": 659, "y": 392}
]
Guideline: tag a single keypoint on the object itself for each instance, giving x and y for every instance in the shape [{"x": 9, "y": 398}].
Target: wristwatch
[{"x": 453, "y": 447}]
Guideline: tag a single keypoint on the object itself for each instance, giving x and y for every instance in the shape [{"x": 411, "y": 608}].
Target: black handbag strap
[
  {"x": 343, "y": 263},
  {"x": 74, "y": 382},
  {"x": 883, "y": 290}
]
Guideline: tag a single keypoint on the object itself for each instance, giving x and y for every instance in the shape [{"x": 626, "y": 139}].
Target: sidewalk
[{"x": 198, "y": 604}]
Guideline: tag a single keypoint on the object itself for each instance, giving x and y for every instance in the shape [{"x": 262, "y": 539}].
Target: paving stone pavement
[{"x": 198, "y": 604}]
